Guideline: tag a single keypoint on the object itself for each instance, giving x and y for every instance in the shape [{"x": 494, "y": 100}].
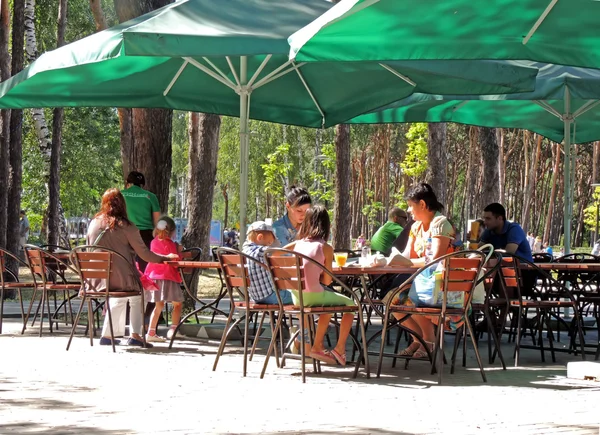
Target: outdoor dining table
[{"x": 183, "y": 266}]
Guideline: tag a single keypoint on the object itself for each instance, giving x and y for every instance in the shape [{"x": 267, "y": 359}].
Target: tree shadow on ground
[
  {"x": 418, "y": 376},
  {"x": 535, "y": 428},
  {"x": 37, "y": 428},
  {"x": 336, "y": 430}
]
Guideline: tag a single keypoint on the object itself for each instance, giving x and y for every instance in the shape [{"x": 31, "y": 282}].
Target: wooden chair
[
  {"x": 9, "y": 280},
  {"x": 42, "y": 265},
  {"x": 287, "y": 271},
  {"x": 234, "y": 266},
  {"x": 460, "y": 274},
  {"x": 547, "y": 298},
  {"x": 95, "y": 263}
]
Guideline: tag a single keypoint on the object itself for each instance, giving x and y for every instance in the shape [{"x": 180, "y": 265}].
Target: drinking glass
[{"x": 340, "y": 258}]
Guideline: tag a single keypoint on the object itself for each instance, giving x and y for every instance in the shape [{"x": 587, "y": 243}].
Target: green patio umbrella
[
  {"x": 560, "y": 32},
  {"x": 552, "y": 31},
  {"x": 231, "y": 59},
  {"x": 564, "y": 106}
]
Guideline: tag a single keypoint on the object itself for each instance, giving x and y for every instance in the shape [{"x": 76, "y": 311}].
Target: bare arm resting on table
[{"x": 439, "y": 246}]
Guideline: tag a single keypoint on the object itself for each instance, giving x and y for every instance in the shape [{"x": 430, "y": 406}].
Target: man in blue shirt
[
  {"x": 509, "y": 236},
  {"x": 503, "y": 234}
]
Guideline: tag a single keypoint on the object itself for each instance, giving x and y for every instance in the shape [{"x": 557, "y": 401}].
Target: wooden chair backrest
[
  {"x": 287, "y": 270},
  {"x": 509, "y": 273},
  {"x": 93, "y": 265},
  {"x": 37, "y": 263},
  {"x": 461, "y": 274},
  {"x": 234, "y": 270}
]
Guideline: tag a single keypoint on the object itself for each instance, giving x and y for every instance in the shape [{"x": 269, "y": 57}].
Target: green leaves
[
  {"x": 415, "y": 161},
  {"x": 276, "y": 171}
]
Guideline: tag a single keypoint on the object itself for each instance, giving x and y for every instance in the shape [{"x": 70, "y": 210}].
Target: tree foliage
[{"x": 415, "y": 160}]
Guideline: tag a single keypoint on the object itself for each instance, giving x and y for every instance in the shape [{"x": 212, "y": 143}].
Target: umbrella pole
[
  {"x": 244, "y": 116},
  {"x": 567, "y": 173}
]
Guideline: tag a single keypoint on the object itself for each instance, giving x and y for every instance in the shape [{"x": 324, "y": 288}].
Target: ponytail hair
[{"x": 424, "y": 192}]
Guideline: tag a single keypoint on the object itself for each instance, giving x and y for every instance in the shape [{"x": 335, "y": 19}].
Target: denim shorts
[{"x": 286, "y": 298}]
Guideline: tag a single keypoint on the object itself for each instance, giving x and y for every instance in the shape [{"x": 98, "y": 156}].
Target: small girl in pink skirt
[{"x": 167, "y": 278}]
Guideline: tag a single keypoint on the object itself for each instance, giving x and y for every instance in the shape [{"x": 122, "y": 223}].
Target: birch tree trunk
[
  {"x": 202, "y": 174},
  {"x": 341, "y": 207},
  {"x": 4, "y": 121},
  {"x": 488, "y": 142},
  {"x": 56, "y": 221},
  {"x": 39, "y": 119},
  {"x": 16, "y": 132},
  {"x": 437, "y": 159},
  {"x": 146, "y": 133}
]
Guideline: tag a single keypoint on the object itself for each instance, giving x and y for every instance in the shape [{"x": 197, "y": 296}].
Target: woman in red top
[{"x": 166, "y": 277}]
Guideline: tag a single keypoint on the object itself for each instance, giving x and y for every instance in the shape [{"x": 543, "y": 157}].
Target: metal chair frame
[
  {"x": 42, "y": 265},
  {"x": 189, "y": 254},
  {"x": 552, "y": 296},
  {"x": 95, "y": 262},
  {"x": 11, "y": 285},
  {"x": 460, "y": 274},
  {"x": 223, "y": 289},
  {"x": 287, "y": 271},
  {"x": 490, "y": 304},
  {"x": 234, "y": 266}
]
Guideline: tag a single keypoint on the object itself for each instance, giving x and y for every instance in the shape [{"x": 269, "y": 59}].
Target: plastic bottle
[
  {"x": 364, "y": 255},
  {"x": 428, "y": 251}
]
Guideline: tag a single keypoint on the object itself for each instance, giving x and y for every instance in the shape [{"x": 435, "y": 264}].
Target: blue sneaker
[
  {"x": 134, "y": 342},
  {"x": 105, "y": 341}
]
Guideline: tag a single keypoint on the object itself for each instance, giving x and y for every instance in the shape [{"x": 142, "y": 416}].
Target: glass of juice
[{"x": 340, "y": 258}]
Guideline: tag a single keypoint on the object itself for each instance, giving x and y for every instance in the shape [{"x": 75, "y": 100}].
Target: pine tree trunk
[
  {"x": 16, "y": 132},
  {"x": 530, "y": 189},
  {"x": 488, "y": 142},
  {"x": 471, "y": 178},
  {"x": 226, "y": 199},
  {"x": 555, "y": 173},
  {"x": 146, "y": 133},
  {"x": 502, "y": 166},
  {"x": 202, "y": 174},
  {"x": 151, "y": 153},
  {"x": 99, "y": 19},
  {"x": 56, "y": 221},
  {"x": 437, "y": 157},
  {"x": 4, "y": 121},
  {"x": 341, "y": 207}
]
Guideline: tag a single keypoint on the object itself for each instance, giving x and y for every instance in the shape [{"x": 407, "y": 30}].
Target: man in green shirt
[
  {"x": 383, "y": 239},
  {"x": 143, "y": 209}
]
